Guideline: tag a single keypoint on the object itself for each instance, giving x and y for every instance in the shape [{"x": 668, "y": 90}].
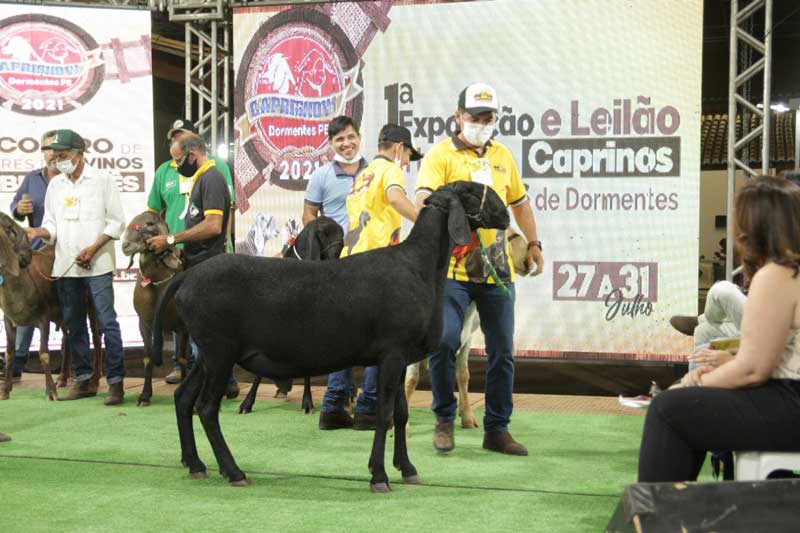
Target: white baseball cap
[{"x": 478, "y": 98}]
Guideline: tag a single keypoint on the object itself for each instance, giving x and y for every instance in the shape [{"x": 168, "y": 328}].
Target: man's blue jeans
[
  {"x": 496, "y": 312},
  {"x": 23, "y": 347},
  {"x": 72, "y": 293},
  {"x": 340, "y": 384}
]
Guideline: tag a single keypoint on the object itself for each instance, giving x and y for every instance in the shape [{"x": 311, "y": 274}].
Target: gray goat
[{"x": 285, "y": 319}]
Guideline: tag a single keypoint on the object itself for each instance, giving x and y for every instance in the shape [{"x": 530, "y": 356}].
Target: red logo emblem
[
  {"x": 48, "y": 65},
  {"x": 299, "y": 72}
]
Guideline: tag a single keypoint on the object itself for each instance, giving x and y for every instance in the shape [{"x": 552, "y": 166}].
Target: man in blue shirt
[
  {"x": 28, "y": 204},
  {"x": 326, "y": 194}
]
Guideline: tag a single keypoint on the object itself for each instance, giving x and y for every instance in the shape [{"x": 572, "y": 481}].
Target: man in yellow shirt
[
  {"x": 378, "y": 196},
  {"x": 472, "y": 155},
  {"x": 374, "y": 206}
]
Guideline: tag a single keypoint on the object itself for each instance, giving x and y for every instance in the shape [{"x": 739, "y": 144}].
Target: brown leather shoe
[
  {"x": 335, "y": 420},
  {"x": 443, "y": 437},
  {"x": 80, "y": 389},
  {"x": 684, "y": 324},
  {"x": 4, "y": 437},
  {"x": 115, "y": 394},
  {"x": 503, "y": 443},
  {"x": 232, "y": 392}
]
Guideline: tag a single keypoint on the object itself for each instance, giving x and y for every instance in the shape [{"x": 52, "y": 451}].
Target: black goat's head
[
  {"x": 469, "y": 206},
  {"x": 322, "y": 238},
  {"x": 15, "y": 248},
  {"x": 143, "y": 226}
]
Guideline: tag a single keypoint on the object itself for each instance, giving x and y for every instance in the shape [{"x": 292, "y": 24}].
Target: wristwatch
[
  {"x": 170, "y": 239},
  {"x": 538, "y": 244}
]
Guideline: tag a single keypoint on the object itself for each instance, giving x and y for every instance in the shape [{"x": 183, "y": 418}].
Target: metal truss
[
  {"x": 208, "y": 53},
  {"x": 737, "y": 80}
]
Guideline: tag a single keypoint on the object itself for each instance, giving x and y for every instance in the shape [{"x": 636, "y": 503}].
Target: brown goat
[
  {"x": 154, "y": 271},
  {"x": 27, "y": 297}
]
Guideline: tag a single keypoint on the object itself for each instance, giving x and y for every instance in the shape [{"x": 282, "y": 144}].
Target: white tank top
[{"x": 789, "y": 363}]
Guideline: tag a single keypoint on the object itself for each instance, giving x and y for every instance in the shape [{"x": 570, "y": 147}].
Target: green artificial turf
[{"x": 81, "y": 466}]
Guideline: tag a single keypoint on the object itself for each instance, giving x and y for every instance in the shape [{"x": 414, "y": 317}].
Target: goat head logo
[
  {"x": 48, "y": 65},
  {"x": 300, "y": 72}
]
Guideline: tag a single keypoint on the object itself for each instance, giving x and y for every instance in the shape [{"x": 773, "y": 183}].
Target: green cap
[{"x": 65, "y": 140}]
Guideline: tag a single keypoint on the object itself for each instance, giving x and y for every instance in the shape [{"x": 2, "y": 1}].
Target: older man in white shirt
[{"x": 83, "y": 215}]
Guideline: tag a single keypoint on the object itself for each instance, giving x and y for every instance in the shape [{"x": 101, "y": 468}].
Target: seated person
[{"x": 751, "y": 402}]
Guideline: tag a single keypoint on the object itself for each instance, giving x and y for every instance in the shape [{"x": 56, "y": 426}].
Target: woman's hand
[
  {"x": 692, "y": 379},
  {"x": 710, "y": 357}
]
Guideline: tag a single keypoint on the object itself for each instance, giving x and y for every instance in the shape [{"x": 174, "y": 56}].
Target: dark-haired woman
[{"x": 753, "y": 401}]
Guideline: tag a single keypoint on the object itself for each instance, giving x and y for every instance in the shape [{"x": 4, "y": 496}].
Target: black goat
[
  {"x": 285, "y": 319},
  {"x": 321, "y": 239}
]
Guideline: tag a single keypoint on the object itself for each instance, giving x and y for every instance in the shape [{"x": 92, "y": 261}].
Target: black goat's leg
[
  {"x": 401, "y": 460},
  {"x": 182, "y": 351},
  {"x": 390, "y": 371},
  {"x": 214, "y": 385},
  {"x": 8, "y": 377},
  {"x": 308, "y": 400},
  {"x": 283, "y": 387},
  {"x": 50, "y": 391},
  {"x": 185, "y": 397},
  {"x": 247, "y": 404},
  {"x": 147, "y": 391}
]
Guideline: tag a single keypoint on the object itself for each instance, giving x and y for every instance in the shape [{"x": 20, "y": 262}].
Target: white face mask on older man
[
  {"x": 477, "y": 134},
  {"x": 66, "y": 166}
]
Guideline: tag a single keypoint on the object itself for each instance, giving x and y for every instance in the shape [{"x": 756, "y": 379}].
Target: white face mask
[
  {"x": 66, "y": 167},
  {"x": 477, "y": 134},
  {"x": 341, "y": 159}
]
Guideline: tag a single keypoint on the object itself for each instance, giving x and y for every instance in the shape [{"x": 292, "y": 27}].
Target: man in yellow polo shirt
[
  {"x": 378, "y": 196},
  {"x": 472, "y": 155},
  {"x": 375, "y": 204}
]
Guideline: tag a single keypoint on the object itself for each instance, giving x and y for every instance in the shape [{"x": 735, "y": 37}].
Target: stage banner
[
  {"x": 600, "y": 105},
  {"x": 68, "y": 67}
]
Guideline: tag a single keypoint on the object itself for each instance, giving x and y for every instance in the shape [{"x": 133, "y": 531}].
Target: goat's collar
[
  {"x": 477, "y": 218},
  {"x": 331, "y": 245}
]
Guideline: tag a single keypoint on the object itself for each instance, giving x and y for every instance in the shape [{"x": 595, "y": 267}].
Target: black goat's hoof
[
  {"x": 240, "y": 483},
  {"x": 412, "y": 480},
  {"x": 245, "y": 409},
  {"x": 199, "y": 475},
  {"x": 143, "y": 402},
  {"x": 379, "y": 487}
]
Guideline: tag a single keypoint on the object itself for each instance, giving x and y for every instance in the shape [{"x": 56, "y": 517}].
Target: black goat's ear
[
  {"x": 307, "y": 243},
  {"x": 457, "y": 223}
]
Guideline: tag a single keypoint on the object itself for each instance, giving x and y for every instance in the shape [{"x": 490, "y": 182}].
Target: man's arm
[
  {"x": 115, "y": 224},
  {"x": 432, "y": 175},
  {"x": 310, "y": 212},
  {"x": 400, "y": 202},
  {"x": 215, "y": 200},
  {"x": 523, "y": 215},
  {"x": 23, "y": 188},
  {"x": 48, "y": 230},
  {"x": 210, "y": 227}
]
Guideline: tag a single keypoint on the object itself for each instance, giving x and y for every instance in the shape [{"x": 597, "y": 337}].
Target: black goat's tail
[{"x": 156, "y": 354}]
